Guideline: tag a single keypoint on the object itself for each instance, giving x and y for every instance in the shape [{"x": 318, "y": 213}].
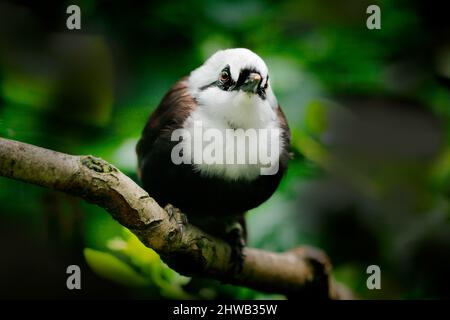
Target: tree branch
[{"x": 297, "y": 273}]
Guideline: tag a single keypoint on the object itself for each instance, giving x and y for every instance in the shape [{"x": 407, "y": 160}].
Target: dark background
[{"x": 369, "y": 111}]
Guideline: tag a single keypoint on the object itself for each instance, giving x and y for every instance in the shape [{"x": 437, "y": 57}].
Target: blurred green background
[{"x": 369, "y": 111}]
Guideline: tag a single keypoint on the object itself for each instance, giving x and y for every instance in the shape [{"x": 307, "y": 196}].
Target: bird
[{"x": 230, "y": 91}]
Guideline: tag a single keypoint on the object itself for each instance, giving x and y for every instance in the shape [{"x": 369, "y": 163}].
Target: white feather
[{"x": 232, "y": 109}]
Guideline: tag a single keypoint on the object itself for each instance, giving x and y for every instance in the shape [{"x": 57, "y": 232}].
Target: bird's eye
[{"x": 224, "y": 76}]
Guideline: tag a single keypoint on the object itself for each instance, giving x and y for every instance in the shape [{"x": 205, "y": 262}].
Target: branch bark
[{"x": 303, "y": 272}]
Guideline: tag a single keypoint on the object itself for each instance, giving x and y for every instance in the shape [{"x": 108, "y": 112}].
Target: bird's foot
[
  {"x": 179, "y": 217},
  {"x": 235, "y": 237}
]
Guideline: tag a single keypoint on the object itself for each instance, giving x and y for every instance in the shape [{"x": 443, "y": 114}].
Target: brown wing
[
  {"x": 286, "y": 136},
  {"x": 170, "y": 114}
]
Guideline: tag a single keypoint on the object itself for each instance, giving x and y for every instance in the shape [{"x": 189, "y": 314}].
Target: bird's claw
[{"x": 235, "y": 237}]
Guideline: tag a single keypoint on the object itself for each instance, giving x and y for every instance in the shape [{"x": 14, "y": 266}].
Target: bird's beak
[{"x": 252, "y": 82}]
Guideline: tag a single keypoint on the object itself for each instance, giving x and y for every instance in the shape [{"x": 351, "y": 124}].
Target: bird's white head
[{"x": 233, "y": 86}]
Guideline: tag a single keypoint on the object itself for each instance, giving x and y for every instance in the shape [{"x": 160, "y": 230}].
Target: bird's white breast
[{"x": 224, "y": 111}]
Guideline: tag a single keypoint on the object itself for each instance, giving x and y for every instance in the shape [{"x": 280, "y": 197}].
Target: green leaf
[
  {"x": 311, "y": 148},
  {"x": 150, "y": 265},
  {"x": 316, "y": 117},
  {"x": 111, "y": 268}
]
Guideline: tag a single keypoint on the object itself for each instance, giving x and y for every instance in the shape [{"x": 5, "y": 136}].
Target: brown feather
[{"x": 172, "y": 111}]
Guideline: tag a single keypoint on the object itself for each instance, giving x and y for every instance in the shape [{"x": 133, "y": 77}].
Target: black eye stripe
[
  {"x": 232, "y": 85},
  {"x": 242, "y": 76},
  {"x": 212, "y": 84},
  {"x": 224, "y": 86}
]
